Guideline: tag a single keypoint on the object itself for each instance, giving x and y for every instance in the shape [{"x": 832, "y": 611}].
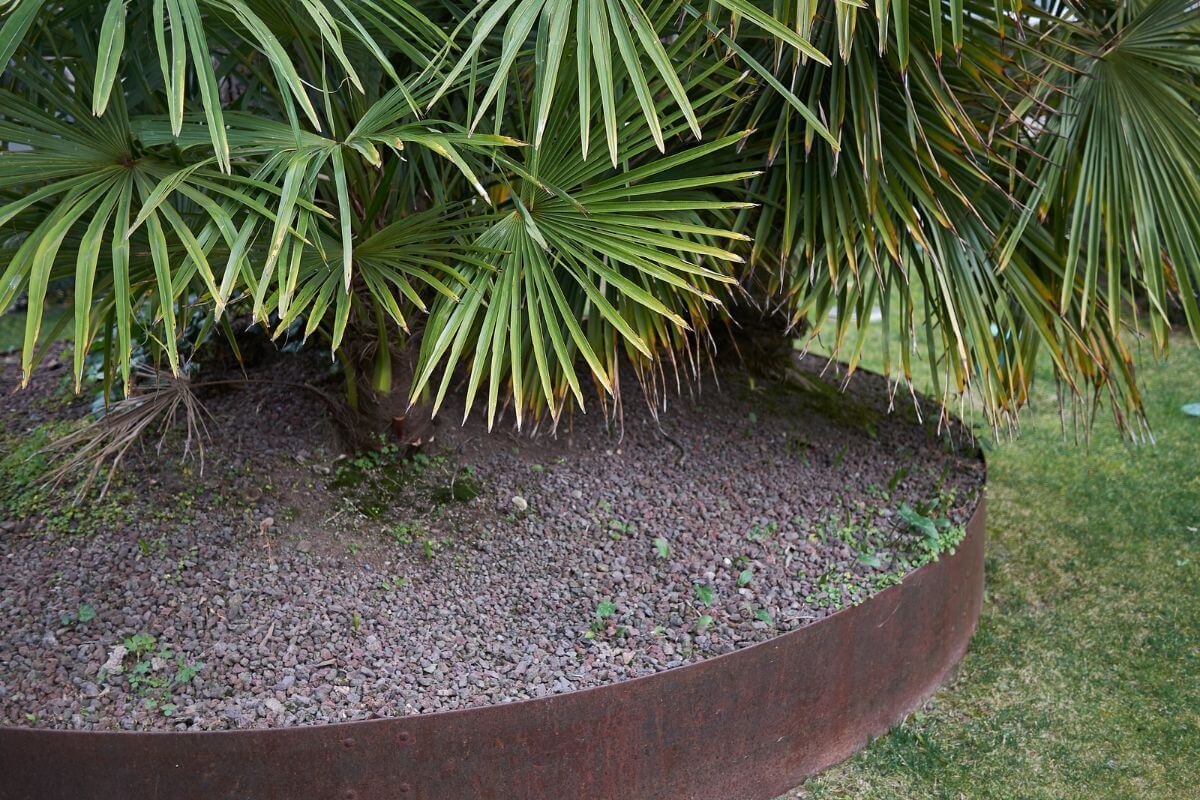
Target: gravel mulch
[{"x": 288, "y": 586}]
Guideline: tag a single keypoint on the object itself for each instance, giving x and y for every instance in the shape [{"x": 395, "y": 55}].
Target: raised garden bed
[{"x": 734, "y": 562}]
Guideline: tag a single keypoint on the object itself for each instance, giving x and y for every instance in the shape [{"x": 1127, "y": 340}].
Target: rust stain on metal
[{"x": 747, "y": 725}]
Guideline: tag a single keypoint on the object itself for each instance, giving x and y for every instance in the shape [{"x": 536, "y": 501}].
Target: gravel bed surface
[{"x": 284, "y": 596}]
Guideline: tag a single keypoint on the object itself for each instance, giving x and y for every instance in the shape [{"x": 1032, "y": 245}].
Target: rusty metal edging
[{"x": 743, "y": 726}]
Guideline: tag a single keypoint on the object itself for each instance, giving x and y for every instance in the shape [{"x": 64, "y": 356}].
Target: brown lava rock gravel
[{"x": 586, "y": 558}]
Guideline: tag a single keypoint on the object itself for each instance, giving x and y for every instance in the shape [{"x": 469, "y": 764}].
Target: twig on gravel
[
  {"x": 682, "y": 452},
  {"x": 270, "y": 630},
  {"x": 262, "y": 531}
]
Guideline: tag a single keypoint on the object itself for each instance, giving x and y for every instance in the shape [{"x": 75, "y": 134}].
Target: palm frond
[
  {"x": 588, "y": 260},
  {"x": 1001, "y": 180}
]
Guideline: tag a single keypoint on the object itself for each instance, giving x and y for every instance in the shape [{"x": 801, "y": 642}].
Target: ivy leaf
[
  {"x": 870, "y": 560},
  {"x": 918, "y": 522}
]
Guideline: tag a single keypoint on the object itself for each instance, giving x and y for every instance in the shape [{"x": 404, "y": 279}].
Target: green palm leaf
[{"x": 991, "y": 180}]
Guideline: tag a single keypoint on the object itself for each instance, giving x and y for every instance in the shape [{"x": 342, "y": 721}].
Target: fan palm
[{"x": 535, "y": 192}]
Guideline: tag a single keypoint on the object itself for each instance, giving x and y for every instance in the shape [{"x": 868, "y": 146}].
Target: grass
[{"x": 1083, "y": 680}]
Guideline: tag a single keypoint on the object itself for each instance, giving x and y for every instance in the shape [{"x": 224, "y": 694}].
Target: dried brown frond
[{"x": 161, "y": 400}]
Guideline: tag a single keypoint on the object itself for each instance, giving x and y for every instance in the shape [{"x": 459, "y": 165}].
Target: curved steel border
[{"x": 742, "y": 726}]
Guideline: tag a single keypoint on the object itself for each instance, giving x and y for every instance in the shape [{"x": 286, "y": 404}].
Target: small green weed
[
  {"x": 605, "y": 609},
  {"x": 618, "y": 528},
  {"x": 937, "y": 534},
  {"x": 405, "y": 533},
  {"x": 837, "y": 590},
  {"x": 760, "y": 532},
  {"x": 83, "y": 616},
  {"x": 155, "y": 675}
]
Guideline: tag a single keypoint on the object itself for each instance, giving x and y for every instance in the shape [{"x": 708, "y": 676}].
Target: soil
[{"x": 288, "y": 583}]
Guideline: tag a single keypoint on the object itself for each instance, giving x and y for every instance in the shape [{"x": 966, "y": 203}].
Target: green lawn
[{"x": 1084, "y": 678}]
